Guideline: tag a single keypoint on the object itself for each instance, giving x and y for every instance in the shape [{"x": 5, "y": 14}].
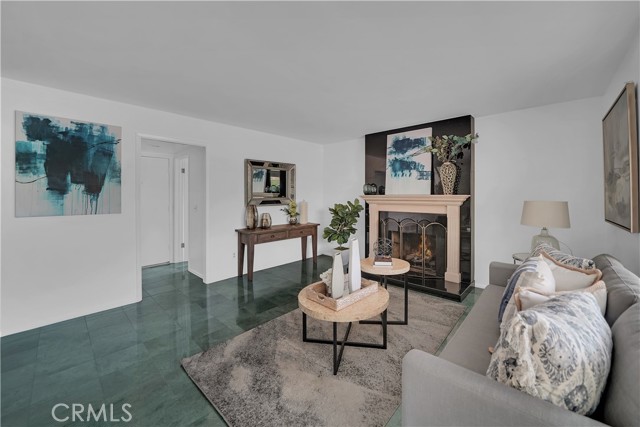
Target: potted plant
[
  {"x": 292, "y": 212},
  {"x": 448, "y": 148},
  {"x": 343, "y": 221}
]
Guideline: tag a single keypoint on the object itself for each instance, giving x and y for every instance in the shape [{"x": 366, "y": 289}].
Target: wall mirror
[{"x": 269, "y": 183}]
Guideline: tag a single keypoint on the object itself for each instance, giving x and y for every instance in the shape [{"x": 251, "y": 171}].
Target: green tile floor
[{"x": 132, "y": 354}]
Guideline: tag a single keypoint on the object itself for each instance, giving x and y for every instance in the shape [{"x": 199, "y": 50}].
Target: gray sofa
[{"x": 452, "y": 389}]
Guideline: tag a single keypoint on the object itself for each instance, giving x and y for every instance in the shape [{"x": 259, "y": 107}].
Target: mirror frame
[{"x": 263, "y": 198}]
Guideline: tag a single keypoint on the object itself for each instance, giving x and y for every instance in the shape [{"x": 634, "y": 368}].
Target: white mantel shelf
[{"x": 429, "y": 204}]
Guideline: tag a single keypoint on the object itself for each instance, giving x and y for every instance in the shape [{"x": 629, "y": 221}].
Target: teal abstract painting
[{"x": 66, "y": 167}]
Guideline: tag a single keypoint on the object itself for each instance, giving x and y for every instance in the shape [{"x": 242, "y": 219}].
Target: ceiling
[{"x": 320, "y": 71}]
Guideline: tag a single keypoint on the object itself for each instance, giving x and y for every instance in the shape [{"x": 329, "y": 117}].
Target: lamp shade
[{"x": 542, "y": 213}]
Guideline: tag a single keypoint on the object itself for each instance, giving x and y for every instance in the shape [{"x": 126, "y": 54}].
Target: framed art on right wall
[{"x": 620, "y": 141}]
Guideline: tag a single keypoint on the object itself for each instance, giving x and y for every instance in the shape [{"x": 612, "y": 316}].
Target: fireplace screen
[{"x": 422, "y": 243}]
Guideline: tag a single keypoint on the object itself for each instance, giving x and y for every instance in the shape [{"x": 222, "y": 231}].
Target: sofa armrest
[
  {"x": 499, "y": 272},
  {"x": 436, "y": 392}
]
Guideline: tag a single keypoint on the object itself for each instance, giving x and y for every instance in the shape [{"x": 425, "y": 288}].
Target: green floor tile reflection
[{"x": 131, "y": 354}]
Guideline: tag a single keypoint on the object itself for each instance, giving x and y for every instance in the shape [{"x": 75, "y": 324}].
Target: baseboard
[{"x": 200, "y": 275}]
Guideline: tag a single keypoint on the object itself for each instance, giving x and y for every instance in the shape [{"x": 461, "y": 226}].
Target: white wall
[
  {"x": 343, "y": 180},
  {"x": 624, "y": 245},
  {"x": 57, "y": 268},
  {"x": 546, "y": 153}
]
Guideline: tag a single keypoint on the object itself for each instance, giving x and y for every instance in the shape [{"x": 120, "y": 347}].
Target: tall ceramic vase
[
  {"x": 355, "y": 276},
  {"x": 251, "y": 217},
  {"x": 337, "y": 277},
  {"x": 448, "y": 173}
]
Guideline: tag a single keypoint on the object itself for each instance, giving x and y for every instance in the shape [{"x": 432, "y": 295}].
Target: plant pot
[
  {"x": 448, "y": 172},
  {"x": 293, "y": 220}
]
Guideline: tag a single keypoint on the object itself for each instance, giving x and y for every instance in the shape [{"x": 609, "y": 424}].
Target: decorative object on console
[
  {"x": 304, "y": 212},
  {"x": 265, "y": 220},
  {"x": 408, "y": 169},
  {"x": 337, "y": 277},
  {"x": 251, "y": 217},
  {"x": 449, "y": 148},
  {"x": 355, "y": 275},
  {"x": 543, "y": 213},
  {"x": 66, "y": 167},
  {"x": 620, "y": 139},
  {"x": 292, "y": 212}
]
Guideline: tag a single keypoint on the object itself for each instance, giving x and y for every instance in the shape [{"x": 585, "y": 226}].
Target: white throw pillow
[
  {"x": 526, "y": 298},
  {"x": 558, "y": 351},
  {"x": 569, "y": 278},
  {"x": 541, "y": 279}
]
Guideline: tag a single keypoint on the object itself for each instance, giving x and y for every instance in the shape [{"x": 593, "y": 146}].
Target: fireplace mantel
[{"x": 428, "y": 204}]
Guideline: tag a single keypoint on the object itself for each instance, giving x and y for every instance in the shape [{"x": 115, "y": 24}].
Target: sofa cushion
[
  {"x": 541, "y": 280},
  {"x": 623, "y": 287},
  {"x": 530, "y": 264},
  {"x": 558, "y": 351},
  {"x": 562, "y": 257},
  {"x": 569, "y": 277},
  {"x": 621, "y": 400},
  {"x": 526, "y": 298}
]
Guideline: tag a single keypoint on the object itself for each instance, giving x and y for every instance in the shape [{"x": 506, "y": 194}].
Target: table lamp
[{"x": 541, "y": 213}]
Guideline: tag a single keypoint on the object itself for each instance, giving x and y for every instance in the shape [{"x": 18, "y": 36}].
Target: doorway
[
  {"x": 155, "y": 211},
  {"x": 172, "y": 204}
]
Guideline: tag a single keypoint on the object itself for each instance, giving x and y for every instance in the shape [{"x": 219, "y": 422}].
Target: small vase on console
[
  {"x": 265, "y": 220},
  {"x": 251, "y": 217}
]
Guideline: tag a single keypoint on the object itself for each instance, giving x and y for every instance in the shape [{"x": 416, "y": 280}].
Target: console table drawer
[
  {"x": 301, "y": 232},
  {"x": 270, "y": 237}
]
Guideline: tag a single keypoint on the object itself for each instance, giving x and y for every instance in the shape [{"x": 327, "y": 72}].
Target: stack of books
[{"x": 382, "y": 261}]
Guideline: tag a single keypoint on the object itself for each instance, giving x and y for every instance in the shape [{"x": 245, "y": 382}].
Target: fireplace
[
  {"x": 427, "y": 232},
  {"x": 420, "y": 242}
]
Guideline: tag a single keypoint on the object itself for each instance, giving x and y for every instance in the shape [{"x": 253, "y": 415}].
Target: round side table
[{"x": 399, "y": 266}]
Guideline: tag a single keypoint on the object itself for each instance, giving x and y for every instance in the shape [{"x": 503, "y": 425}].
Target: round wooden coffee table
[
  {"x": 366, "y": 308},
  {"x": 399, "y": 266}
]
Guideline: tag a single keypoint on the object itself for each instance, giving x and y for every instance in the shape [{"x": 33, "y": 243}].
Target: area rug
[{"x": 268, "y": 377}]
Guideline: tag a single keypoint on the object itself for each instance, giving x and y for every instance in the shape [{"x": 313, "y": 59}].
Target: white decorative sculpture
[
  {"x": 355, "y": 275},
  {"x": 337, "y": 277}
]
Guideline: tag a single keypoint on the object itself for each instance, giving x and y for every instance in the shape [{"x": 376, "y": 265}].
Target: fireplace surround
[{"x": 424, "y": 230}]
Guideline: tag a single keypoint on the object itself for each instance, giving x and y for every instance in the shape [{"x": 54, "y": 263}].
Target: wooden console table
[{"x": 256, "y": 236}]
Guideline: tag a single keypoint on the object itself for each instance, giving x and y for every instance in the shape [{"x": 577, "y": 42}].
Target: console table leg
[
  {"x": 250, "y": 262},
  {"x": 303, "y": 241},
  {"x": 314, "y": 245},
  {"x": 240, "y": 256}
]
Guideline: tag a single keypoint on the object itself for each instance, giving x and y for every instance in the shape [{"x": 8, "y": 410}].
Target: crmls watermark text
[{"x": 61, "y": 412}]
